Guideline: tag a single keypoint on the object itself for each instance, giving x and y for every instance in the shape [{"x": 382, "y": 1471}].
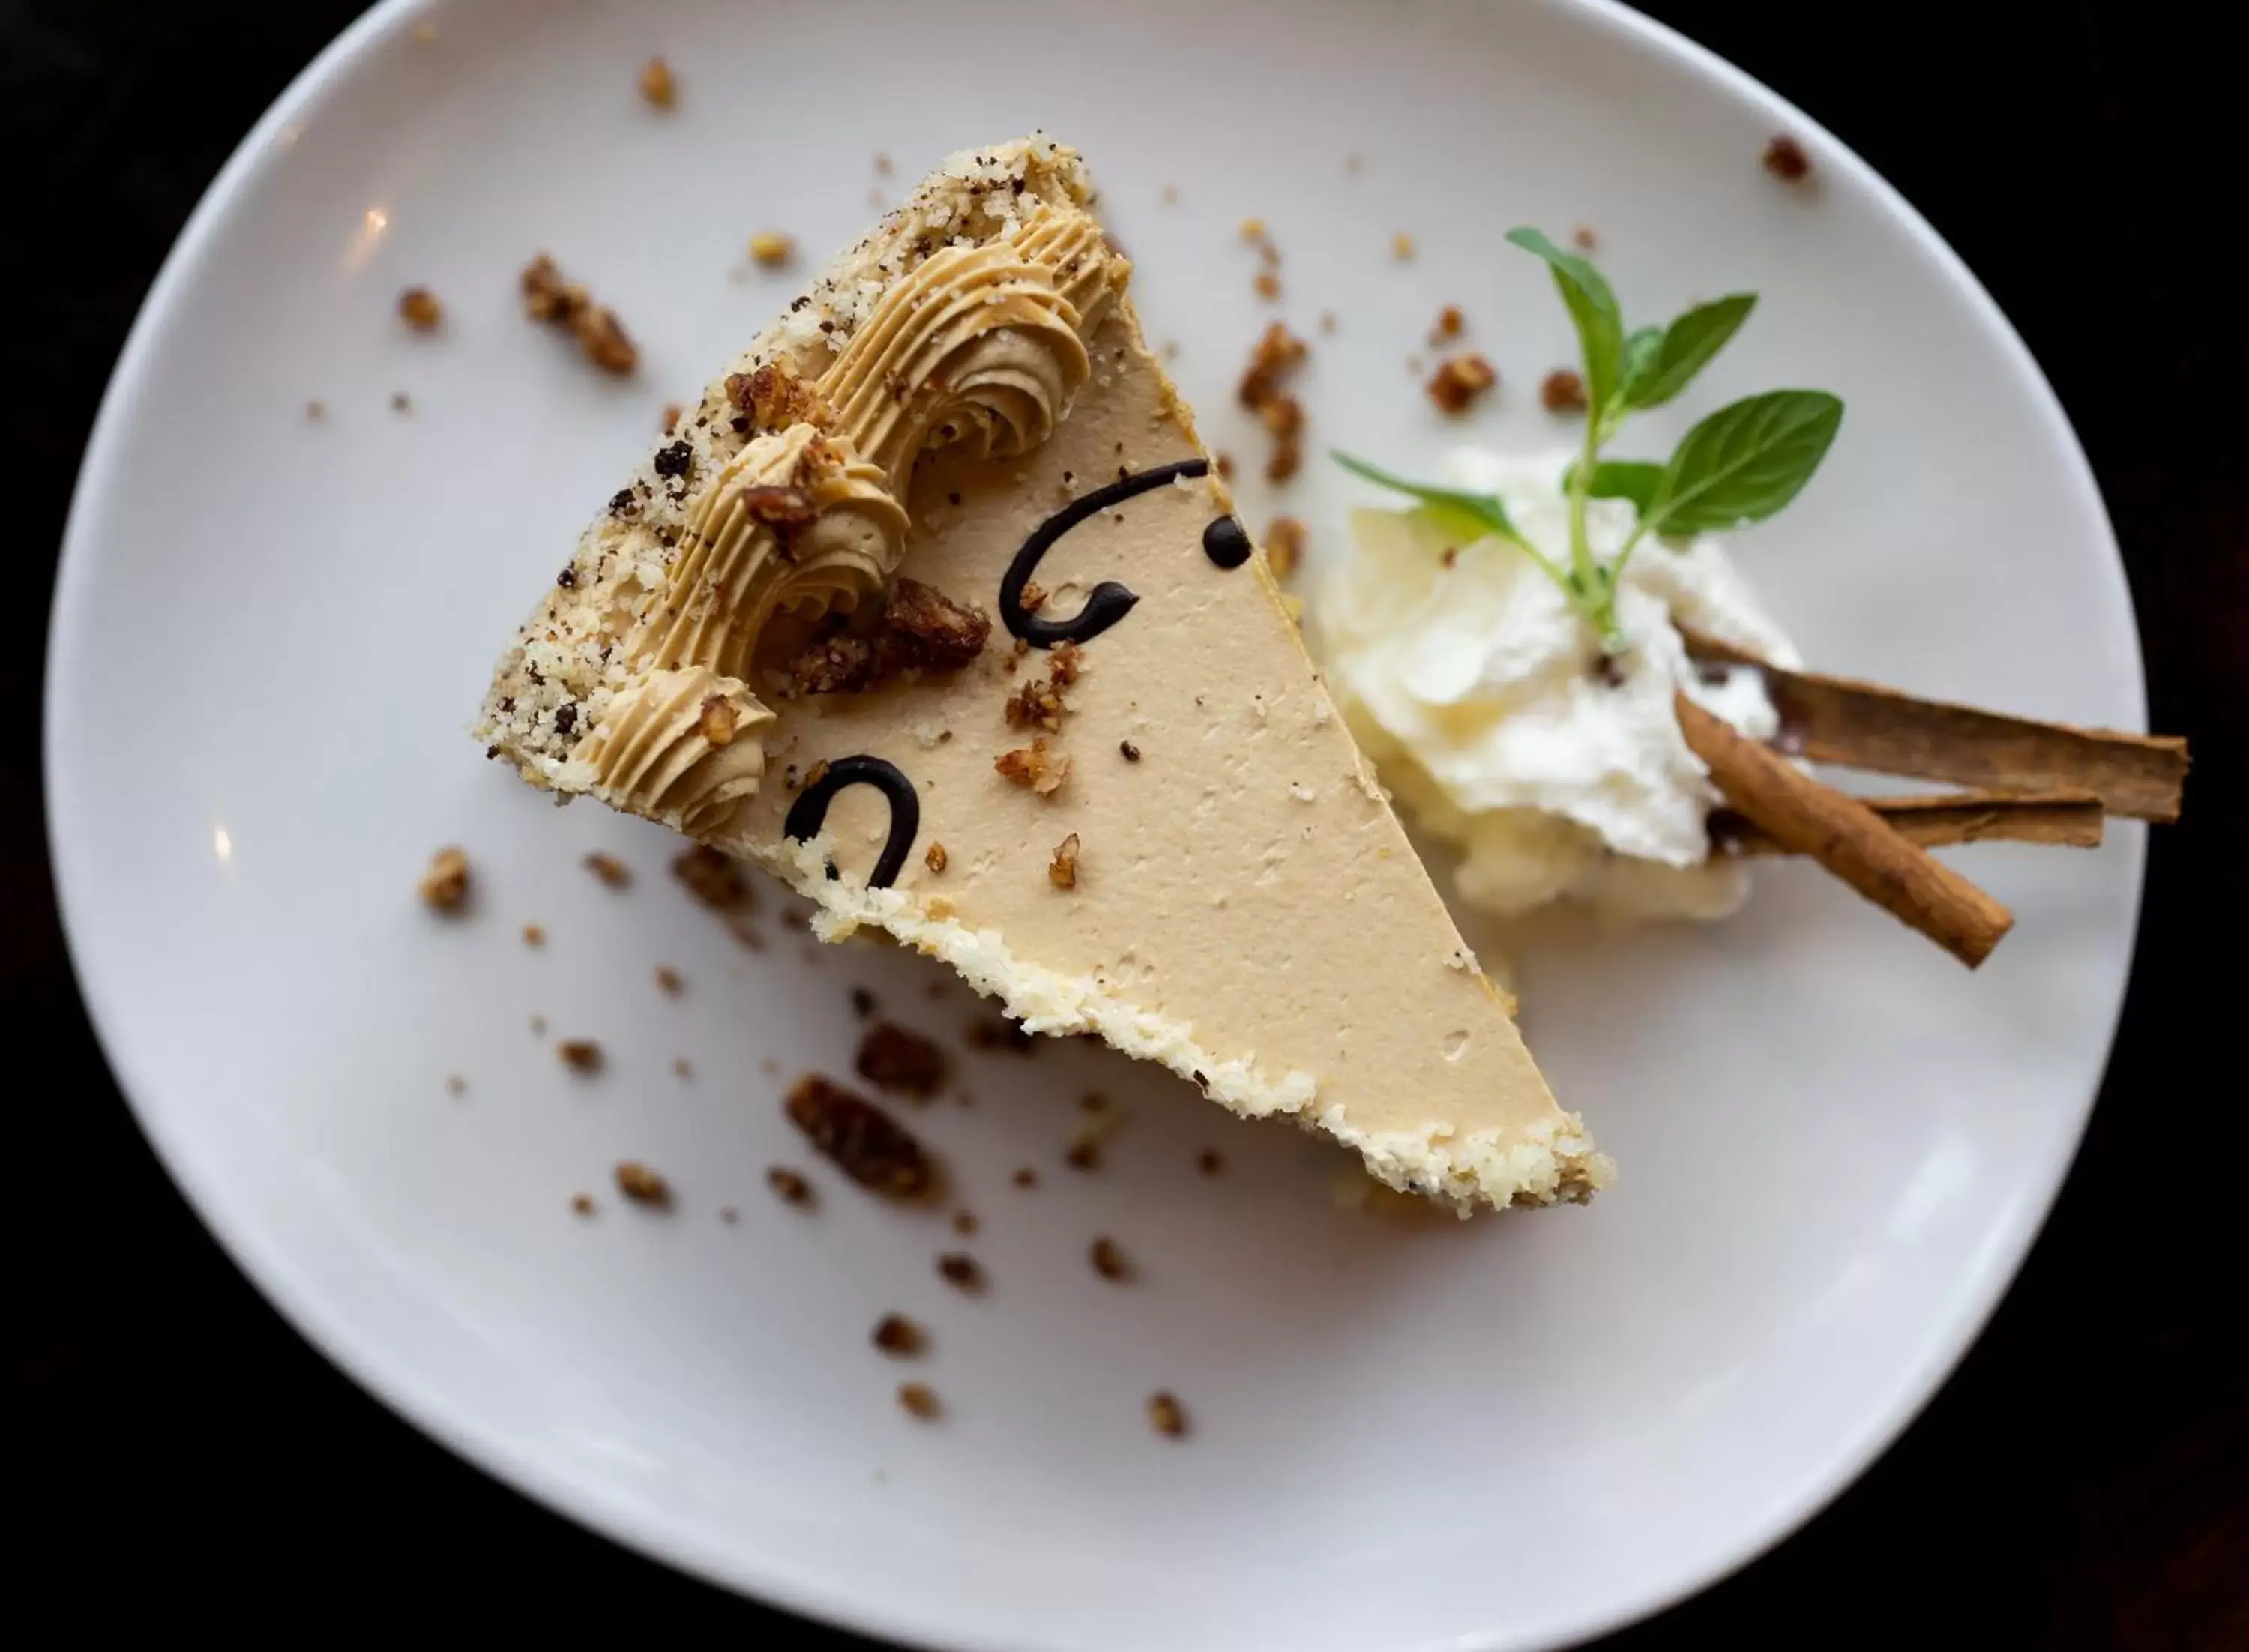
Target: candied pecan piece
[
  {"x": 900, "y": 1061},
  {"x": 866, "y": 1144}
]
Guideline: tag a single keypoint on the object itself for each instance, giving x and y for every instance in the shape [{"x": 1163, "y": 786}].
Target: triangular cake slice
[{"x": 1130, "y": 808}]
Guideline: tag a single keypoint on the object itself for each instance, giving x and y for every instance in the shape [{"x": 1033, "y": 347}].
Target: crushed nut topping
[
  {"x": 936, "y": 860},
  {"x": 1284, "y": 545},
  {"x": 419, "y": 309},
  {"x": 712, "y": 879},
  {"x": 1166, "y": 1415},
  {"x": 601, "y": 337},
  {"x": 1109, "y": 1261},
  {"x": 1268, "y": 284},
  {"x": 1785, "y": 160},
  {"x": 1562, "y": 391},
  {"x": 921, "y": 629},
  {"x": 1459, "y": 381},
  {"x": 609, "y": 870},
  {"x": 773, "y": 398},
  {"x": 445, "y": 885},
  {"x": 961, "y": 1270},
  {"x": 670, "y": 417},
  {"x": 900, "y": 1061},
  {"x": 899, "y": 1337},
  {"x": 788, "y": 1185},
  {"x": 642, "y": 1185},
  {"x": 920, "y": 1401},
  {"x": 1062, "y": 870},
  {"x": 1448, "y": 325},
  {"x": 1275, "y": 359},
  {"x": 1034, "y": 597},
  {"x": 1035, "y": 766},
  {"x": 716, "y": 721},
  {"x": 772, "y": 248},
  {"x": 669, "y": 981},
  {"x": 657, "y": 85},
  {"x": 866, "y": 1144},
  {"x": 580, "y": 1055}
]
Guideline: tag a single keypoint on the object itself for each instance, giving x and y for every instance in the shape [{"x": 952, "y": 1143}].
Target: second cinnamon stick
[{"x": 1804, "y": 817}]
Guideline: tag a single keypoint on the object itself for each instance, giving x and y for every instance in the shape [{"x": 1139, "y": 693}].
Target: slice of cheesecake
[{"x": 933, "y": 608}]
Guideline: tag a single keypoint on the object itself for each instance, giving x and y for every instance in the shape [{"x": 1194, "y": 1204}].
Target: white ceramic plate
[{"x": 272, "y": 632}]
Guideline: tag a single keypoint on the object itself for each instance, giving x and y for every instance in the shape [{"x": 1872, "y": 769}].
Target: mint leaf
[
  {"x": 1633, "y": 479},
  {"x": 1744, "y": 462},
  {"x": 1473, "y": 514},
  {"x": 1592, "y": 307},
  {"x": 1639, "y": 353},
  {"x": 1686, "y": 347}
]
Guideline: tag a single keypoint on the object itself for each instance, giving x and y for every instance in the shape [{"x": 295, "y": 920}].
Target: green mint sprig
[{"x": 1741, "y": 464}]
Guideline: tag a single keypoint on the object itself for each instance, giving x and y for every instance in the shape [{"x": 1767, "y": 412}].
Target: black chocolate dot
[{"x": 1225, "y": 542}]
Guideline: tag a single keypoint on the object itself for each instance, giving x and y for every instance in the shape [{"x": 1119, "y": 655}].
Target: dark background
[{"x": 178, "y": 1461}]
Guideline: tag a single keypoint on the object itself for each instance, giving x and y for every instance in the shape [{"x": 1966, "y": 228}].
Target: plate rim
[{"x": 392, "y": 1382}]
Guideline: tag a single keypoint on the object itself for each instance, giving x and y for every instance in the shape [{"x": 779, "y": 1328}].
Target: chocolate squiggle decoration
[
  {"x": 809, "y": 812},
  {"x": 1109, "y": 601}
]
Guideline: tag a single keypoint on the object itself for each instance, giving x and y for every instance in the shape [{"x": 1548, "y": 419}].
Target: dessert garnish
[{"x": 2028, "y": 781}]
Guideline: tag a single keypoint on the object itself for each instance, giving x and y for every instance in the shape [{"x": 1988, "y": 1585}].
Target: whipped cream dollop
[{"x": 1493, "y": 713}]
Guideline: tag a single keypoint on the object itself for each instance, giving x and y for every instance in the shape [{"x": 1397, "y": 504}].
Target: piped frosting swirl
[{"x": 980, "y": 347}]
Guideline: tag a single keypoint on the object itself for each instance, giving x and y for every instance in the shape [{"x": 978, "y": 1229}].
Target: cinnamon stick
[
  {"x": 1864, "y": 725},
  {"x": 1804, "y": 817},
  {"x": 1937, "y": 820}
]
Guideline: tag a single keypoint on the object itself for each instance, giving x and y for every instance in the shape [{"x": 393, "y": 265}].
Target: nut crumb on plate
[
  {"x": 1209, "y": 1163},
  {"x": 1109, "y": 1261},
  {"x": 583, "y": 1203},
  {"x": 863, "y": 1003},
  {"x": 1562, "y": 391},
  {"x": 1401, "y": 246},
  {"x": 533, "y": 935},
  {"x": 919, "y": 1400},
  {"x": 897, "y": 1336},
  {"x": 1584, "y": 239},
  {"x": 681, "y": 1068},
  {"x": 609, "y": 870},
  {"x": 580, "y": 1055},
  {"x": 1284, "y": 545},
  {"x": 1448, "y": 325},
  {"x": 657, "y": 86},
  {"x": 965, "y": 1223},
  {"x": 567, "y": 304},
  {"x": 772, "y": 248},
  {"x": 419, "y": 309},
  {"x": 1024, "y": 1177},
  {"x": 1268, "y": 284},
  {"x": 669, "y": 981},
  {"x": 900, "y": 1061},
  {"x": 642, "y": 1185},
  {"x": 866, "y": 1143},
  {"x": 1460, "y": 380},
  {"x": 1785, "y": 160},
  {"x": 961, "y": 1270},
  {"x": 1166, "y": 1415},
  {"x": 712, "y": 878},
  {"x": 935, "y": 860},
  {"x": 789, "y": 1185},
  {"x": 456, "y": 1085},
  {"x": 445, "y": 885}
]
